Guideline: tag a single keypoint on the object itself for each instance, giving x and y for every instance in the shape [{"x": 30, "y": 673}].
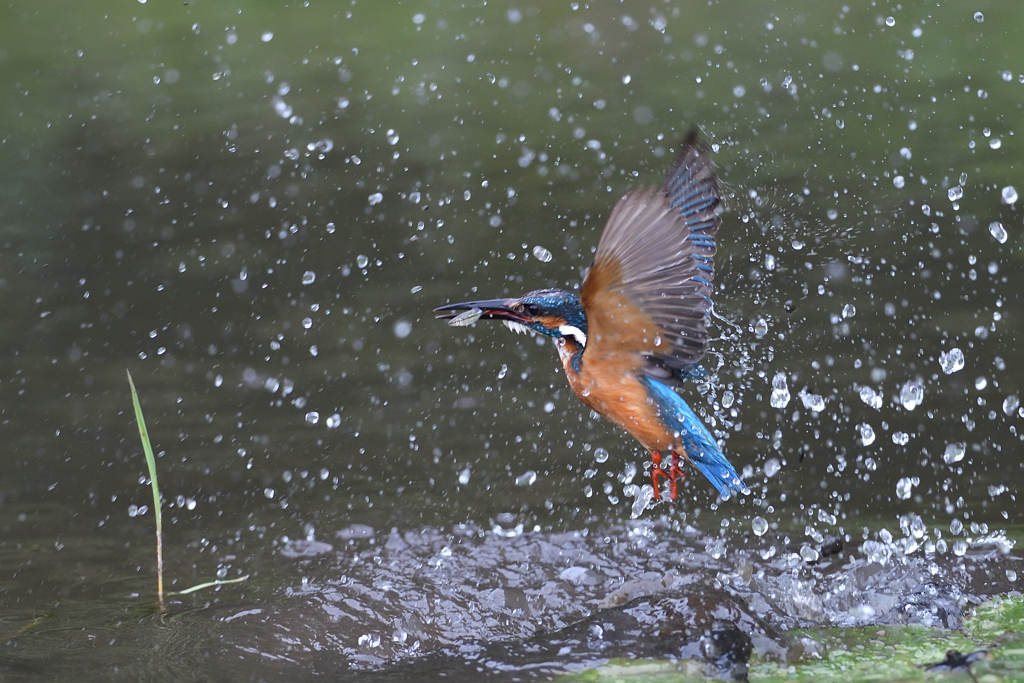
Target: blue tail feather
[{"x": 701, "y": 447}]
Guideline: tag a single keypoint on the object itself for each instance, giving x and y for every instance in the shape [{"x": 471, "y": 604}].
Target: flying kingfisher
[{"x": 638, "y": 329}]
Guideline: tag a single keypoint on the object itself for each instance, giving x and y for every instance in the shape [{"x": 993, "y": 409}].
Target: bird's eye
[{"x": 533, "y": 309}]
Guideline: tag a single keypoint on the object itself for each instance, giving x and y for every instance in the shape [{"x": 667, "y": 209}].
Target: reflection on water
[{"x": 255, "y": 210}]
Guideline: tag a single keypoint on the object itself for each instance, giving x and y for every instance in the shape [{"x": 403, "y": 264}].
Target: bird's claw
[{"x": 674, "y": 475}]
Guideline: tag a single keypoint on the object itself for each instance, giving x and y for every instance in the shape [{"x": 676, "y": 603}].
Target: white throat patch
[{"x": 574, "y": 332}]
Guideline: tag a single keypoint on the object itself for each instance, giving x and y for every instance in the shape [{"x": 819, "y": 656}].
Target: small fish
[{"x": 466, "y": 319}]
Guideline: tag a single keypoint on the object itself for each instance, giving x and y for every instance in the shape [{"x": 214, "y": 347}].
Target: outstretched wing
[{"x": 649, "y": 288}]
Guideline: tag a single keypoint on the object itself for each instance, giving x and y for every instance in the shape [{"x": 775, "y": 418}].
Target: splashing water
[
  {"x": 1010, "y": 404},
  {"x": 904, "y": 488},
  {"x": 867, "y": 434},
  {"x": 912, "y": 394},
  {"x": 812, "y": 402},
  {"x": 871, "y": 397},
  {"x": 780, "y": 391},
  {"x": 951, "y": 361},
  {"x": 998, "y": 231},
  {"x": 954, "y": 453},
  {"x": 644, "y": 497},
  {"x": 759, "y": 525}
]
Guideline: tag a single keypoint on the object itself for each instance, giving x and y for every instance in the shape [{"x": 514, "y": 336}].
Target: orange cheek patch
[{"x": 551, "y": 322}]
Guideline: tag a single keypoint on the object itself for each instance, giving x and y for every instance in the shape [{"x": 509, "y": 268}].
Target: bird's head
[{"x": 552, "y": 312}]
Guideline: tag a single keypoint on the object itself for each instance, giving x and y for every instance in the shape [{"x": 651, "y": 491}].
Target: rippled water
[{"x": 255, "y": 210}]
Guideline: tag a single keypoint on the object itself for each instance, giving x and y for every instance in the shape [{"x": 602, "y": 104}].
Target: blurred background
[{"x": 253, "y": 207}]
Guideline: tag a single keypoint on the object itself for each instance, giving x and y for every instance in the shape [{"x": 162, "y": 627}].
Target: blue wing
[{"x": 701, "y": 448}]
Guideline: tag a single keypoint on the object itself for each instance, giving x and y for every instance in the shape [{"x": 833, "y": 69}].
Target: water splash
[
  {"x": 780, "y": 391},
  {"x": 912, "y": 394},
  {"x": 951, "y": 361}
]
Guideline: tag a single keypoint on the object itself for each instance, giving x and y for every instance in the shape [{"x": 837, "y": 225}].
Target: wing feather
[{"x": 649, "y": 289}]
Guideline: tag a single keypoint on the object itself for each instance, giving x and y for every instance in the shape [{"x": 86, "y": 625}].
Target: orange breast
[{"x": 609, "y": 385}]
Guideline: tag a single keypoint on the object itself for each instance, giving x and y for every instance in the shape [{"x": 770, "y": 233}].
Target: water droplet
[
  {"x": 362, "y": 261},
  {"x": 953, "y": 453},
  {"x": 890, "y": 21},
  {"x": 912, "y": 394},
  {"x": 995, "y": 143},
  {"x": 309, "y": 277},
  {"x": 644, "y": 498},
  {"x": 760, "y": 328},
  {"x": 464, "y": 476},
  {"x": 1011, "y": 575},
  {"x": 369, "y": 640},
  {"x": 601, "y": 455},
  {"x": 959, "y": 548},
  {"x": 271, "y": 384},
  {"x": 542, "y": 254},
  {"x": 549, "y": 407},
  {"x": 526, "y": 478},
  {"x": 871, "y": 397},
  {"x": 333, "y": 422},
  {"x": 955, "y": 193},
  {"x": 979, "y": 17},
  {"x": 980, "y": 383},
  {"x": 403, "y": 328},
  {"x": 951, "y": 362},
  {"x": 392, "y": 136},
  {"x": 771, "y": 467},
  {"x": 728, "y": 399},
  {"x": 900, "y": 438},
  {"x": 998, "y": 231},
  {"x": 1010, "y": 404},
  {"x": 375, "y": 198},
  {"x": 904, "y": 487},
  {"x": 812, "y": 402},
  {"x": 867, "y": 434},
  {"x": 503, "y": 371},
  {"x": 267, "y": 36},
  {"x": 780, "y": 392},
  {"x": 312, "y": 417},
  {"x": 849, "y": 310},
  {"x": 899, "y": 182},
  {"x": 1009, "y": 194},
  {"x": 809, "y": 554}
]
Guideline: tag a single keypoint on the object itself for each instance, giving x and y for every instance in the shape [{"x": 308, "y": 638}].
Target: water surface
[{"x": 254, "y": 210}]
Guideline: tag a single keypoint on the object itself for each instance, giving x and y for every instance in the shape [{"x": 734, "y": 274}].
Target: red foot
[{"x": 674, "y": 475}]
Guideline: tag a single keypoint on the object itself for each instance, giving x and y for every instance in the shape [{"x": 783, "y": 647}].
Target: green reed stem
[{"x": 151, "y": 463}]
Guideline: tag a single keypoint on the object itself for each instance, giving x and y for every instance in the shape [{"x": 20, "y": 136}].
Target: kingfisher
[{"x": 638, "y": 329}]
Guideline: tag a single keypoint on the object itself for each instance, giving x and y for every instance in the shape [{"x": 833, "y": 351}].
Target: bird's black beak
[{"x": 469, "y": 312}]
